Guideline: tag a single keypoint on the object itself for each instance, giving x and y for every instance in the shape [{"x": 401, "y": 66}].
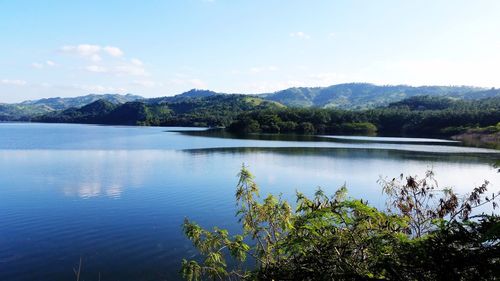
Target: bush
[
  {"x": 306, "y": 128},
  {"x": 426, "y": 234},
  {"x": 359, "y": 128}
]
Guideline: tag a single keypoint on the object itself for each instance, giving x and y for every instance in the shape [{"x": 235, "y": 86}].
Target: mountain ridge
[
  {"x": 366, "y": 95},
  {"x": 59, "y": 103},
  {"x": 212, "y": 110},
  {"x": 349, "y": 96},
  {"x": 27, "y": 109}
]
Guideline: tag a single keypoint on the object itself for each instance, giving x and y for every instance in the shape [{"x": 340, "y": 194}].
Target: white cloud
[
  {"x": 92, "y": 52},
  {"x": 433, "y": 72},
  {"x": 300, "y": 35},
  {"x": 146, "y": 83},
  {"x": 113, "y": 51},
  {"x": 137, "y": 62},
  {"x": 119, "y": 70},
  {"x": 197, "y": 83},
  {"x": 84, "y": 50},
  {"x": 321, "y": 79},
  {"x": 326, "y": 79},
  {"x": 39, "y": 65},
  {"x": 188, "y": 82},
  {"x": 14, "y": 82},
  {"x": 96, "y": 53},
  {"x": 259, "y": 69},
  {"x": 99, "y": 89},
  {"x": 272, "y": 86},
  {"x": 96, "y": 68},
  {"x": 77, "y": 89},
  {"x": 129, "y": 70},
  {"x": 95, "y": 58}
]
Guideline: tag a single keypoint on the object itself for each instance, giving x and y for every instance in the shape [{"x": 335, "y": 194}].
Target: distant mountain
[
  {"x": 19, "y": 112},
  {"x": 364, "y": 95},
  {"x": 26, "y": 110},
  {"x": 206, "y": 110},
  {"x": 89, "y": 113},
  {"x": 189, "y": 95},
  {"x": 425, "y": 103},
  {"x": 195, "y": 93},
  {"x": 65, "y": 103},
  {"x": 351, "y": 96}
]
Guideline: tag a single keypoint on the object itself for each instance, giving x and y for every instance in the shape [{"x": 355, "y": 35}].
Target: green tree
[{"x": 427, "y": 234}]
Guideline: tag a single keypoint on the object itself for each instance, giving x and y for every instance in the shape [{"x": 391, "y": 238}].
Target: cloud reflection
[
  {"x": 89, "y": 173},
  {"x": 108, "y": 173}
]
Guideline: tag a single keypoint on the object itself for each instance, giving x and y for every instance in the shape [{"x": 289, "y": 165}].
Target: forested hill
[
  {"x": 352, "y": 96},
  {"x": 189, "y": 95},
  {"x": 206, "y": 111},
  {"x": 26, "y": 110},
  {"x": 415, "y": 116},
  {"x": 364, "y": 95},
  {"x": 345, "y": 109},
  {"x": 65, "y": 103}
]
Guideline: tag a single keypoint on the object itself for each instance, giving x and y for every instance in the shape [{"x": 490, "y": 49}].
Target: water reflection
[
  {"x": 102, "y": 192},
  {"x": 352, "y": 153},
  {"x": 221, "y": 133},
  {"x": 86, "y": 174},
  {"x": 378, "y": 143}
]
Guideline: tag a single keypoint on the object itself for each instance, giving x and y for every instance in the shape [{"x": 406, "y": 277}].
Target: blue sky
[{"x": 157, "y": 48}]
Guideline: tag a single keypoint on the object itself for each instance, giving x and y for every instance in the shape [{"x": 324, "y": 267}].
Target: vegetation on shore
[
  {"x": 444, "y": 112},
  {"x": 210, "y": 111},
  {"x": 426, "y": 233},
  {"x": 349, "y": 96},
  {"x": 487, "y": 136},
  {"x": 417, "y": 116},
  {"x": 358, "y": 96}
]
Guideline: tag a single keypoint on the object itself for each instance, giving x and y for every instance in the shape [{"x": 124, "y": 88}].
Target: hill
[
  {"x": 364, "y": 95},
  {"x": 58, "y": 103},
  {"x": 19, "y": 112},
  {"x": 186, "y": 96},
  {"x": 421, "y": 116},
  {"x": 207, "y": 110},
  {"x": 26, "y": 110}
]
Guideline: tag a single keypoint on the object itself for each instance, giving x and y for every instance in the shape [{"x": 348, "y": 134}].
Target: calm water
[{"x": 116, "y": 196}]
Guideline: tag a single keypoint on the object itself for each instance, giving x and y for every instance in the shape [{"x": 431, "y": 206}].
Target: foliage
[
  {"x": 486, "y": 130},
  {"x": 479, "y": 136},
  {"x": 356, "y": 96},
  {"x": 395, "y": 120},
  {"x": 425, "y": 103},
  {"x": 418, "y": 201},
  {"x": 65, "y": 103},
  {"x": 353, "y": 109},
  {"x": 19, "y": 112},
  {"x": 457, "y": 250},
  {"x": 27, "y": 110},
  {"x": 189, "y": 110},
  {"x": 427, "y": 234}
]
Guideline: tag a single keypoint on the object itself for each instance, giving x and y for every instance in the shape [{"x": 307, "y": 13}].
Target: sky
[{"x": 160, "y": 48}]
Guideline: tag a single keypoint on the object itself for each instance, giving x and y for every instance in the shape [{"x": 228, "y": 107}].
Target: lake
[{"x": 116, "y": 196}]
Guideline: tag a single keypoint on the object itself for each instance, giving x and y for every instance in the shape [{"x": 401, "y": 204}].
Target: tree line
[
  {"x": 416, "y": 116},
  {"x": 420, "y": 116}
]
